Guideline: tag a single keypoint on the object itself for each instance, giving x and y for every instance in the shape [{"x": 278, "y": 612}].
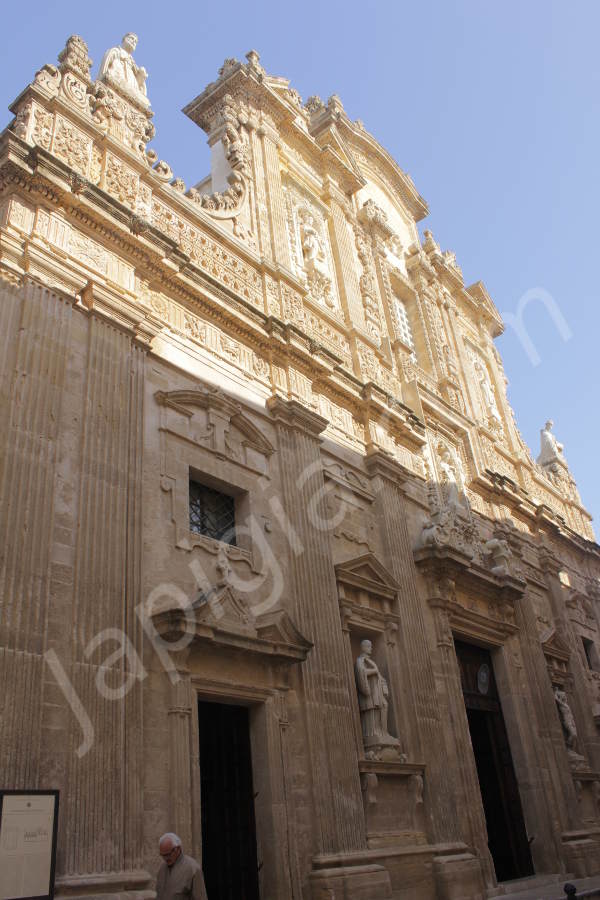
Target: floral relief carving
[
  {"x": 96, "y": 164},
  {"x": 120, "y": 181},
  {"x": 88, "y": 251},
  {"x": 42, "y": 127},
  {"x": 71, "y": 145},
  {"x": 293, "y": 307}
]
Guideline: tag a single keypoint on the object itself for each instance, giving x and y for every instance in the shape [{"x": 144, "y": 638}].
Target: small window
[
  {"x": 212, "y": 513},
  {"x": 591, "y": 654}
]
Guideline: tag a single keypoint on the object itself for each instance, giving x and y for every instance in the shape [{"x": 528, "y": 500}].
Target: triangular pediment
[
  {"x": 554, "y": 646},
  {"x": 368, "y": 573}
]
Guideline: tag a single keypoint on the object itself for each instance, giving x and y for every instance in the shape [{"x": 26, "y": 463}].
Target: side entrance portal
[
  {"x": 507, "y": 837},
  {"x": 228, "y": 824}
]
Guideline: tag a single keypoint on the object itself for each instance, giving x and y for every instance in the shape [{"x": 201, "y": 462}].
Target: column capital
[
  {"x": 295, "y": 415},
  {"x": 378, "y": 462}
]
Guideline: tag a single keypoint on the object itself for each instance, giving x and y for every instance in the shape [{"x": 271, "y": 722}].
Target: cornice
[{"x": 295, "y": 415}]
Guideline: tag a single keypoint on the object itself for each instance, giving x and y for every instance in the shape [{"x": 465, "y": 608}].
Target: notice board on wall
[{"x": 28, "y": 826}]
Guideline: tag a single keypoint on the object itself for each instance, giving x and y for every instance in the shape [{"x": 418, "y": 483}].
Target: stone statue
[
  {"x": 452, "y": 477},
  {"x": 488, "y": 392},
  {"x": 373, "y": 704},
  {"x": 500, "y": 554},
  {"x": 550, "y": 451},
  {"x": 311, "y": 243},
  {"x": 119, "y": 70},
  {"x": 567, "y": 719}
]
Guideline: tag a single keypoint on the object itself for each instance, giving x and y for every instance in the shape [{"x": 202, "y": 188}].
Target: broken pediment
[
  {"x": 209, "y": 418},
  {"x": 225, "y": 618}
]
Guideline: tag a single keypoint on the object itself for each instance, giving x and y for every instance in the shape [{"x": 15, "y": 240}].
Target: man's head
[
  {"x": 366, "y": 647},
  {"x": 129, "y": 41},
  {"x": 169, "y": 847}
]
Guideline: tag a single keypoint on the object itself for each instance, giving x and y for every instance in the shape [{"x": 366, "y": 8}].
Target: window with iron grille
[
  {"x": 212, "y": 513},
  {"x": 403, "y": 322}
]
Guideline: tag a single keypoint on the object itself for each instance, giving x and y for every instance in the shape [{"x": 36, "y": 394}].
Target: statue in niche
[
  {"x": 568, "y": 723},
  {"x": 551, "y": 451},
  {"x": 487, "y": 391},
  {"x": 119, "y": 69},
  {"x": 312, "y": 248},
  {"x": 373, "y": 703},
  {"x": 452, "y": 477}
]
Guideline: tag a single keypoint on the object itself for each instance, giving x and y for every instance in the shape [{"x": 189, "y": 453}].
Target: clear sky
[{"x": 493, "y": 108}]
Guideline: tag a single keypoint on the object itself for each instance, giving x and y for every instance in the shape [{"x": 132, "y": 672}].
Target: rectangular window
[
  {"x": 404, "y": 329},
  {"x": 590, "y": 654},
  {"x": 212, "y": 513}
]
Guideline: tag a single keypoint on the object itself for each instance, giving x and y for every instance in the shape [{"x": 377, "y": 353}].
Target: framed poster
[{"x": 28, "y": 824}]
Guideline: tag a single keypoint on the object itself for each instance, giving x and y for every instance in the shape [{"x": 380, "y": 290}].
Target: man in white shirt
[{"x": 179, "y": 876}]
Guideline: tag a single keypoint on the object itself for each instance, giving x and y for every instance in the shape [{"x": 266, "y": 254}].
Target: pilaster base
[
  {"x": 582, "y": 853},
  {"x": 369, "y": 881},
  {"x": 458, "y": 877},
  {"x": 101, "y": 886}
]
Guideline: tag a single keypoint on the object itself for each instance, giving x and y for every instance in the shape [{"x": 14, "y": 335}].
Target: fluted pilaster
[
  {"x": 337, "y": 799},
  {"x": 279, "y": 233}
]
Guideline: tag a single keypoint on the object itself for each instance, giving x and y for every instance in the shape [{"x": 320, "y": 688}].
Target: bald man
[{"x": 179, "y": 875}]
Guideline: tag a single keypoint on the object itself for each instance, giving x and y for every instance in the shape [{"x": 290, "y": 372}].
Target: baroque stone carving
[
  {"x": 230, "y": 127},
  {"x": 119, "y": 69},
  {"x": 500, "y": 554},
  {"x": 311, "y": 254},
  {"x": 75, "y": 58},
  {"x": 368, "y": 284}
]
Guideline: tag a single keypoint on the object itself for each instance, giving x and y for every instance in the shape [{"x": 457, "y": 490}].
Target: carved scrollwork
[{"x": 228, "y": 203}]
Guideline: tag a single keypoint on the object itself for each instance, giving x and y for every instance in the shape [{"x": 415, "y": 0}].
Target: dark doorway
[
  {"x": 228, "y": 827},
  {"x": 507, "y": 837}
]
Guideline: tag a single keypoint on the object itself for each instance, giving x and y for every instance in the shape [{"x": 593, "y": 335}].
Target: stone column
[
  {"x": 345, "y": 261},
  {"x": 180, "y": 754},
  {"x": 458, "y": 810},
  {"x": 260, "y": 196},
  {"x": 338, "y": 810}
]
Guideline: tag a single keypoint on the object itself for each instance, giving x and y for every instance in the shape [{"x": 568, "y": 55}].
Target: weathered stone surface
[{"x": 278, "y": 334}]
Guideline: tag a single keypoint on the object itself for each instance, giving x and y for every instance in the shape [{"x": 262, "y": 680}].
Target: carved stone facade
[{"x": 279, "y": 335}]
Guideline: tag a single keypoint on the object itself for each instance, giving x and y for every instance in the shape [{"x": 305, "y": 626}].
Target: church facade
[{"x": 279, "y": 573}]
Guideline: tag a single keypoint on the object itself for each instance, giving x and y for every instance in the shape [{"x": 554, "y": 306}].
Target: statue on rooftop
[
  {"x": 551, "y": 450},
  {"x": 119, "y": 69}
]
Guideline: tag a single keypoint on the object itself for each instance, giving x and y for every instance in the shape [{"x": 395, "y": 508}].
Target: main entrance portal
[
  {"x": 507, "y": 837},
  {"x": 228, "y": 827}
]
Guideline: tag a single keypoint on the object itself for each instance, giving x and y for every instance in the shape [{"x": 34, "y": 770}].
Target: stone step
[{"x": 548, "y": 887}]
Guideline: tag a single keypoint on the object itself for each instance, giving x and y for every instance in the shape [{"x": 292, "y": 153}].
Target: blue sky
[{"x": 493, "y": 108}]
